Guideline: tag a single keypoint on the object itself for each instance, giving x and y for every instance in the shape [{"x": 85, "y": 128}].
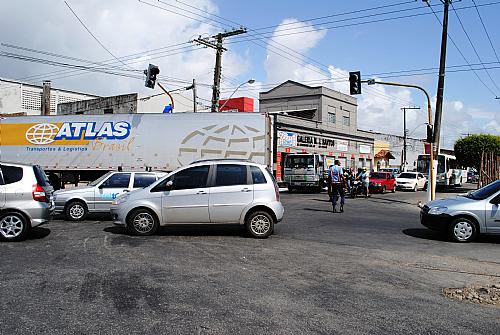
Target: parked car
[
  {"x": 25, "y": 199},
  {"x": 411, "y": 181},
  {"x": 207, "y": 192},
  {"x": 382, "y": 182},
  {"x": 465, "y": 216},
  {"x": 394, "y": 171},
  {"x": 96, "y": 197}
]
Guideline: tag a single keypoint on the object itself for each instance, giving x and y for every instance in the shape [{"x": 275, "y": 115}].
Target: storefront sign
[
  {"x": 342, "y": 145},
  {"x": 315, "y": 142},
  {"x": 365, "y": 149},
  {"x": 287, "y": 139}
]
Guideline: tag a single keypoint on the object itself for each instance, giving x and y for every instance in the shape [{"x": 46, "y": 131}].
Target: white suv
[{"x": 205, "y": 192}]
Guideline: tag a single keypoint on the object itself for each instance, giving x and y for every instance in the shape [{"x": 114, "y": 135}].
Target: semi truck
[
  {"x": 84, "y": 147},
  {"x": 306, "y": 171}
]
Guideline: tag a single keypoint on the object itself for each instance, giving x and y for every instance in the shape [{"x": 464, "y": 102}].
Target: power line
[
  {"x": 463, "y": 56},
  {"x": 473, "y": 47},
  {"x": 91, "y": 34}
]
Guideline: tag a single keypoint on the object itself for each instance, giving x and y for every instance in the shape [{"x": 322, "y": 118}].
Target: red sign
[
  {"x": 278, "y": 165},
  {"x": 304, "y": 150},
  {"x": 361, "y": 156},
  {"x": 342, "y": 154},
  {"x": 287, "y": 150},
  {"x": 427, "y": 148},
  {"x": 330, "y": 153},
  {"x": 352, "y": 156}
]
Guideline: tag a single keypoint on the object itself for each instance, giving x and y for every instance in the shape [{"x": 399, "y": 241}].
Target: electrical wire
[{"x": 473, "y": 47}]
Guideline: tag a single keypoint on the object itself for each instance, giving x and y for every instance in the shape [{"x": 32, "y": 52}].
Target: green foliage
[{"x": 468, "y": 149}]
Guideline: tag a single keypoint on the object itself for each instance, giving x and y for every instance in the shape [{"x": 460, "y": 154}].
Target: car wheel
[
  {"x": 259, "y": 224},
  {"x": 394, "y": 189},
  {"x": 463, "y": 230},
  {"x": 383, "y": 190},
  {"x": 13, "y": 226},
  {"x": 142, "y": 222},
  {"x": 76, "y": 211},
  {"x": 425, "y": 186},
  {"x": 415, "y": 189}
]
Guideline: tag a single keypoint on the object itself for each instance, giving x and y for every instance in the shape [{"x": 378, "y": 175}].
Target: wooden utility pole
[
  {"x": 194, "y": 96},
  {"x": 217, "y": 45}
]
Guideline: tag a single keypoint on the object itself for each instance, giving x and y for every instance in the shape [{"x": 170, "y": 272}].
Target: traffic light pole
[
  {"x": 431, "y": 194},
  {"x": 169, "y": 95}
]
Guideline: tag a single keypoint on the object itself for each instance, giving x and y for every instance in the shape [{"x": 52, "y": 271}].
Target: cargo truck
[{"x": 84, "y": 147}]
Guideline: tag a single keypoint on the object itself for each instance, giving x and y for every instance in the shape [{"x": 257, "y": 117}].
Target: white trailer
[{"x": 87, "y": 146}]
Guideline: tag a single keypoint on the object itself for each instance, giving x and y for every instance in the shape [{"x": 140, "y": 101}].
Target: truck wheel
[
  {"x": 13, "y": 226},
  {"x": 76, "y": 210},
  {"x": 463, "y": 230},
  {"x": 142, "y": 222},
  {"x": 259, "y": 224}
]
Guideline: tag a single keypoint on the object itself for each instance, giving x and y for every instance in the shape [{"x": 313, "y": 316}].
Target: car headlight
[
  {"x": 437, "y": 210},
  {"x": 121, "y": 199}
]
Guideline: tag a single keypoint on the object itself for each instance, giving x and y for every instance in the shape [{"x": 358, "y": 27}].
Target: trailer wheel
[{"x": 76, "y": 210}]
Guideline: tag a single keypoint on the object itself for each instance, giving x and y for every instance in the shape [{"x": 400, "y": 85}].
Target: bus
[{"x": 448, "y": 172}]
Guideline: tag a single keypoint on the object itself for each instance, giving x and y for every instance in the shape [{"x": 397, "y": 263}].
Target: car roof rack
[{"x": 222, "y": 160}]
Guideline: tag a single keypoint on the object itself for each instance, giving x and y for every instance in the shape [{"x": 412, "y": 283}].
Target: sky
[{"x": 313, "y": 42}]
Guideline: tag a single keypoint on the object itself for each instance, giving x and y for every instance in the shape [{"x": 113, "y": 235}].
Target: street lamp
[{"x": 249, "y": 81}]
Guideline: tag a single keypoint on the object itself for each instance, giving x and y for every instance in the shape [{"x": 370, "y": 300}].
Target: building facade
[
  {"x": 414, "y": 147},
  {"x": 18, "y": 98},
  {"x": 119, "y": 104},
  {"x": 317, "y": 120}
]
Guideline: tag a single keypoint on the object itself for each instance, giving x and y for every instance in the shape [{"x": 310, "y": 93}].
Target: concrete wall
[
  {"x": 17, "y": 97},
  {"x": 120, "y": 104}
]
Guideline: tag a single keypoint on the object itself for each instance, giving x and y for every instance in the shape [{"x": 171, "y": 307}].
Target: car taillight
[
  {"x": 39, "y": 193},
  {"x": 277, "y": 191}
]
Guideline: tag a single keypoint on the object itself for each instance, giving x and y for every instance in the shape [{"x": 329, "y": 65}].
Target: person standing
[
  {"x": 365, "y": 179},
  {"x": 337, "y": 180}
]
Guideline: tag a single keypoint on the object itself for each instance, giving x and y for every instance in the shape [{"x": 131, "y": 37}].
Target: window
[
  {"x": 346, "y": 120},
  {"x": 11, "y": 174},
  {"x": 194, "y": 177},
  {"x": 257, "y": 175},
  {"x": 41, "y": 177},
  {"x": 332, "y": 117},
  {"x": 143, "y": 179},
  {"x": 231, "y": 174},
  {"x": 118, "y": 180}
]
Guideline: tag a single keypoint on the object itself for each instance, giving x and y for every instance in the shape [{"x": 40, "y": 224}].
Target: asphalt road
[{"x": 370, "y": 270}]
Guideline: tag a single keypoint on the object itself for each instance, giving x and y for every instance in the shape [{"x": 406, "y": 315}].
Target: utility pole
[
  {"x": 440, "y": 89},
  {"x": 217, "y": 45},
  {"x": 405, "y": 134},
  {"x": 194, "y": 96},
  {"x": 46, "y": 98}
]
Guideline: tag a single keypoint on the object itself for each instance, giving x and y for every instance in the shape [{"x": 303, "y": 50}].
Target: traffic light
[
  {"x": 151, "y": 74},
  {"x": 429, "y": 134},
  {"x": 355, "y": 82}
]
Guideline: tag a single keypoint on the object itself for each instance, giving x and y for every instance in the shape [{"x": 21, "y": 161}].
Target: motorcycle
[{"x": 357, "y": 188}]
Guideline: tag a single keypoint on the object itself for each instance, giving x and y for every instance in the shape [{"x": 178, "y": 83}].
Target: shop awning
[{"x": 384, "y": 154}]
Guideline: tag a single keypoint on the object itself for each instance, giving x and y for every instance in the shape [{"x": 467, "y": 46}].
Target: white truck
[
  {"x": 306, "y": 171},
  {"x": 84, "y": 147}
]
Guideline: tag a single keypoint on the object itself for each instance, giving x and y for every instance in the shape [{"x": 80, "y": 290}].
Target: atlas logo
[{"x": 46, "y": 133}]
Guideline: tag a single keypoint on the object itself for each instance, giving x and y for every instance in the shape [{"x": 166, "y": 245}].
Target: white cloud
[
  {"x": 125, "y": 27},
  {"x": 283, "y": 64}
]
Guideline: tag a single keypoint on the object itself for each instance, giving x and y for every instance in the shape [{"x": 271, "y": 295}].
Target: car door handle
[
  {"x": 201, "y": 192},
  {"x": 246, "y": 190}
]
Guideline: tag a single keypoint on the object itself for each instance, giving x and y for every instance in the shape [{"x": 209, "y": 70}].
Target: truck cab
[{"x": 305, "y": 171}]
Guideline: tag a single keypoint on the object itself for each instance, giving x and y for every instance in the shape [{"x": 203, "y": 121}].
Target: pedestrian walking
[{"x": 336, "y": 174}]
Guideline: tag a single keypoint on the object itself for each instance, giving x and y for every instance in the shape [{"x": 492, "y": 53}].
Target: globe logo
[
  {"x": 223, "y": 141},
  {"x": 42, "y": 133}
]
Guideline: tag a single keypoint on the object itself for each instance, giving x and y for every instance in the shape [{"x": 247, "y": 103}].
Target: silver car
[
  {"x": 465, "y": 216},
  {"x": 96, "y": 197},
  {"x": 25, "y": 199},
  {"x": 207, "y": 192}
]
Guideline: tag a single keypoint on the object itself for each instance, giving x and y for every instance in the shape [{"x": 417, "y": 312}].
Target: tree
[{"x": 468, "y": 150}]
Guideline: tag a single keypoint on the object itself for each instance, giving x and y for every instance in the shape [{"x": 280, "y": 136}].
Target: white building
[{"x": 26, "y": 99}]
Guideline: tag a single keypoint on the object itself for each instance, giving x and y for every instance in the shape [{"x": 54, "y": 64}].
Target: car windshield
[
  {"x": 376, "y": 175},
  {"x": 408, "y": 175},
  {"x": 97, "y": 181},
  {"x": 485, "y": 192}
]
